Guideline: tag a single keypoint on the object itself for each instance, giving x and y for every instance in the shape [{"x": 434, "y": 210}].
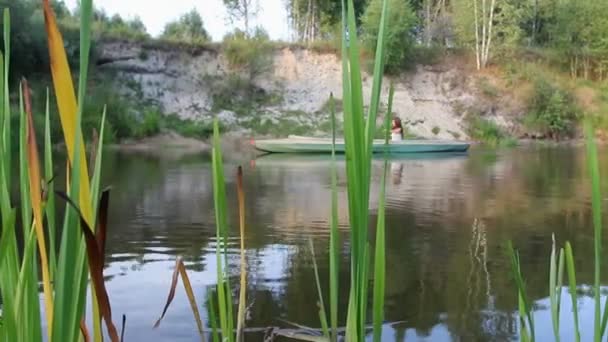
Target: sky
[{"x": 156, "y": 13}]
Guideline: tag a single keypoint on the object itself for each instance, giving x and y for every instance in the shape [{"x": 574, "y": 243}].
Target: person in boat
[{"x": 396, "y": 130}]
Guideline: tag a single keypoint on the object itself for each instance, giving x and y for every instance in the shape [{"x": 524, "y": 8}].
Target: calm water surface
[{"x": 448, "y": 218}]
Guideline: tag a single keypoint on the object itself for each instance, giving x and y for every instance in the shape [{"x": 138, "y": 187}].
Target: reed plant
[
  {"x": 359, "y": 130},
  {"x": 67, "y": 264}
]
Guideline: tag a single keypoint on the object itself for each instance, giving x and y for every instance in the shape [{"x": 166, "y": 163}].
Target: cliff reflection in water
[{"x": 447, "y": 221}]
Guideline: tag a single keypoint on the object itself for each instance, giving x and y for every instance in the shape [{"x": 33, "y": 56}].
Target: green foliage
[
  {"x": 320, "y": 19},
  {"x": 150, "y": 124},
  {"x": 29, "y": 45},
  {"x": 252, "y": 55},
  {"x": 551, "y": 111},
  {"x": 118, "y": 27},
  {"x": 485, "y": 131},
  {"x": 399, "y": 38},
  {"x": 436, "y": 130},
  {"x": 188, "y": 28},
  {"x": 186, "y": 127},
  {"x": 240, "y": 95},
  {"x": 121, "y": 115}
]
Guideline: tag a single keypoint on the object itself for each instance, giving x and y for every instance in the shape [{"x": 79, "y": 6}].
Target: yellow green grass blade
[
  {"x": 66, "y": 99},
  {"x": 180, "y": 270},
  {"x": 572, "y": 285},
  {"x": 35, "y": 197}
]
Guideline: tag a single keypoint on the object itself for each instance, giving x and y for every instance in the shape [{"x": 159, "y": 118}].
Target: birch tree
[
  {"x": 488, "y": 26},
  {"x": 433, "y": 14},
  {"x": 242, "y": 10}
]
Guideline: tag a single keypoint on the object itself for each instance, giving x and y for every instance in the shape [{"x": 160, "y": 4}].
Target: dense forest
[
  {"x": 565, "y": 40},
  {"x": 569, "y": 32}
]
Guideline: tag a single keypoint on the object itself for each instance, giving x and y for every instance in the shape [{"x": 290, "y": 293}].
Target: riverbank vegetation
[{"x": 547, "y": 47}]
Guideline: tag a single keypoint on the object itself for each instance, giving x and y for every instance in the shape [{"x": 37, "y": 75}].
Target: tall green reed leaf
[
  {"x": 556, "y": 270},
  {"x": 321, "y": 304},
  {"x": 215, "y": 334},
  {"x": 26, "y": 209},
  {"x": 358, "y": 164},
  {"x": 377, "y": 81},
  {"x": 6, "y": 95},
  {"x": 219, "y": 195},
  {"x": 49, "y": 176},
  {"x": 380, "y": 254},
  {"x": 334, "y": 237},
  {"x": 572, "y": 285},
  {"x": 596, "y": 201},
  {"x": 525, "y": 309},
  {"x": 98, "y": 158}
]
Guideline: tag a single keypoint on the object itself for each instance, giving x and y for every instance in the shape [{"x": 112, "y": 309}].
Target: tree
[
  {"x": 314, "y": 19},
  {"x": 244, "y": 10},
  {"x": 489, "y": 25},
  {"x": 578, "y": 32},
  {"x": 399, "y": 38},
  {"x": 29, "y": 52},
  {"x": 189, "y": 28},
  {"x": 433, "y": 19}
]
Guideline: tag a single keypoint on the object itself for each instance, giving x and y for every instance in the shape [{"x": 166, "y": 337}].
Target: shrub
[
  {"x": 150, "y": 124},
  {"x": 436, "y": 130},
  {"x": 251, "y": 54},
  {"x": 189, "y": 28},
  {"x": 119, "y": 113},
  {"x": 399, "y": 38},
  {"x": 187, "y": 127},
  {"x": 240, "y": 95},
  {"x": 485, "y": 131},
  {"x": 551, "y": 111}
]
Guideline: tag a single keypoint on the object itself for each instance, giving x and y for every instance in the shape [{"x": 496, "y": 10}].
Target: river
[{"x": 448, "y": 220}]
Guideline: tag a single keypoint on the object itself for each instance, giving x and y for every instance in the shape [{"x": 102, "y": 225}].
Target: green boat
[{"x": 295, "y": 144}]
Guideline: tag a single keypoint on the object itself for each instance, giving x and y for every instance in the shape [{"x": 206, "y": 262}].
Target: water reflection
[{"x": 447, "y": 220}]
